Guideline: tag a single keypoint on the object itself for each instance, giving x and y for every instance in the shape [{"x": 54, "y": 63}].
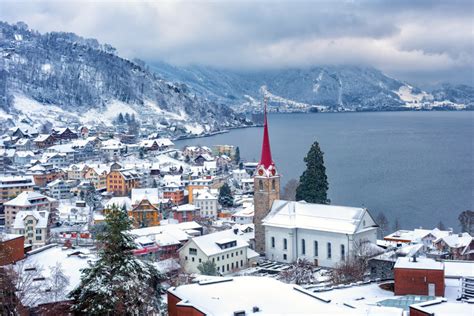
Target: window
[
  {"x": 199, "y": 260},
  {"x": 273, "y": 242},
  {"x": 260, "y": 185},
  {"x": 329, "y": 250},
  {"x": 227, "y": 267},
  {"x": 284, "y": 256},
  {"x": 192, "y": 259},
  {"x": 186, "y": 258},
  {"x": 232, "y": 266},
  {"x": 236, "y": 264},
  {"x": 285, "y": 244},
  {"x": 303, "y": 247},
  {"x": 316, "y": 248},
  {"x": 232, "y": 255},
  {"x": 227, "y": 256},
  {"x": 218, "y": 258},
  {"x": 193, "y": 251},
  {"x": 241, "y": 263},
  {"x": 343, "y": 253},
  {"x": 273, "y": 184},
  {"x": 38, "y": 237},
  {"x": 241, "y": 252}
]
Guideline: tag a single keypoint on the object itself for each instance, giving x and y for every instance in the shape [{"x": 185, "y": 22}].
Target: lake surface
[{"x": 414, "y": 166}]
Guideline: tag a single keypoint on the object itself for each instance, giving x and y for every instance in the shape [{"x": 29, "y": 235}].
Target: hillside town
[{"x": 214, "y": 226}]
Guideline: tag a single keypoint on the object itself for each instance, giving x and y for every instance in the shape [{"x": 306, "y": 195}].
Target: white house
[
  {"x": 323, "y": 234},
  {"x": 34, "y": 225},
  {"x": 206, "y": 201},
  {"x": 227, "y": 249},
  {"x": 240, "y": 174}
]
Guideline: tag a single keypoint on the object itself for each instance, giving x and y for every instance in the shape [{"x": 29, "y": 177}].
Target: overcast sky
[{"x": 423, "y": 42}]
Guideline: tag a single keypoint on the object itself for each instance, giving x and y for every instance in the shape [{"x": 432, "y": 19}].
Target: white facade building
[
  {"x": 323, "y": 234},
  {"x": 227, "y": 249},
  {"x": 207, "y": 202}
]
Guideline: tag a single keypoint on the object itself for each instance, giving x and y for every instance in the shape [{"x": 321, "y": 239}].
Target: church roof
[
  {"x": 322, "y": 217},
  {"x": 266, "y": 158}
]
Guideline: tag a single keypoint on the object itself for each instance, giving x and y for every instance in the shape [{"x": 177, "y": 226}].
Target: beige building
[
  {"x": 27, "y": 201},
  {"x": 97, "y": 175},
  {"x": 10, "y": 186},
  {"x": 34, "y": 225}
]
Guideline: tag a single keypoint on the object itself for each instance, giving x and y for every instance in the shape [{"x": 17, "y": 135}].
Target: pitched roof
[
  {"x": 290, "y": 214},
  {"x": 40, "y": 216},
  {"x": 28, "y": 198},
  {"x": 209, "y": 244}
]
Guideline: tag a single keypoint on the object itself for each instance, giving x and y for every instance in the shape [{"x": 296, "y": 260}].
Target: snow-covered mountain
[
  {"x": 64, "y": 78},
  {"x": 323, "y": 88}
]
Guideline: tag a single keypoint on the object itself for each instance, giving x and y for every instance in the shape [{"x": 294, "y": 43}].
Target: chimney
[
  {"x": 414, "y": 258},
  {"x": 236, "y": 231},
  {"x": 460, "y": 235}
]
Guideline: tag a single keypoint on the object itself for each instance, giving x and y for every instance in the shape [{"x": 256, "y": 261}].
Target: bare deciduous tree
[
  {"x": 300, "y": 272},
  {"x": 383, "y": 223},
  {"x": 355, "y": 267},
  {"x": 289, "y": 190}
]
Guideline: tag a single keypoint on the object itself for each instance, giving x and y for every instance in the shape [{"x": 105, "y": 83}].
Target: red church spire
[{"x": 266, "y": 159}]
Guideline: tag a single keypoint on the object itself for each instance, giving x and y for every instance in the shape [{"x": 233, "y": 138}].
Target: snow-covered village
[{"x": 205, "y": 182}]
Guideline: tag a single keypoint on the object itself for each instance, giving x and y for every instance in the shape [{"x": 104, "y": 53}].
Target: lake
[{"x": 414, "y": 166}]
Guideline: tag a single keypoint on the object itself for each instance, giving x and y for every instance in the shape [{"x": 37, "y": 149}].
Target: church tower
[{"x": 266, "y": 187}]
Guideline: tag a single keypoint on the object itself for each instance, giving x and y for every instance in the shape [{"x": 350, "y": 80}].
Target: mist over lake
[{"x": 414, "y": 166}]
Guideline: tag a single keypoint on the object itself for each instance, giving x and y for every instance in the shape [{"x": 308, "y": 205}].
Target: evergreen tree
[
  {"x": 120, "y": 119},
  {"x": 225, "y": 196},
  {"x": 207, "y": 268},
  {"x": 313, "y": 186},
  {"x": 237, "y": 155},
  {"x": 118, "y": 283},
  {"x": 241, "y": 165}
]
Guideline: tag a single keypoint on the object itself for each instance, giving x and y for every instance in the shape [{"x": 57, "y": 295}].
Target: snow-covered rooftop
[
  {"x": 209, "y": 244},
  {"x": 321, "y": 217},
  {"x": 28, "y": 198},
  {"x": 225, "y": 296},
  {"x": 420, "y": 263}
]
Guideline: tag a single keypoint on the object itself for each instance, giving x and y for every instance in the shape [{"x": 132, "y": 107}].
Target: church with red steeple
[{"x": 266, "y": 187}]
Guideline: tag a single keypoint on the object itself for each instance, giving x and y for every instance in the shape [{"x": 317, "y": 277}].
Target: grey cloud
[{"x": 416, "y": 40}]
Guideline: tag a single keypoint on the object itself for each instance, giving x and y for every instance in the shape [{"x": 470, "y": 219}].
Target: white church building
[{"x": 323, "y": 234}]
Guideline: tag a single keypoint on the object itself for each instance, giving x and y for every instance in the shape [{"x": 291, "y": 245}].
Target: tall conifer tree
[
  {"x": 313, "y": 186},
  {"x": 118, "y": 283}
]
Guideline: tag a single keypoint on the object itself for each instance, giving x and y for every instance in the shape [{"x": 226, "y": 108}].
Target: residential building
[
  {"x": 76, "y": 171},
  {"x": 244, "y": 215},
  {"x": 229, "y": 251},
  {"x": 186, "y": 213},
  {"x": 206, "y": 202},
  {"x": 240, "y": 174},
  {"x": 323, "y": 234},
  {"x": 12, "y": 186},
  {"x": 24, "y": 144},
  {"x": 27, "y": 201},
  {"x": 43, "y": 174},
  {"x": 419, "y": 276},
  {"x": 44, "y": 141},
  {"x": 34, "y": 225},
  {"x": 456, "y": 246},
  {"x": 145, "y": 214},
  {"x": 63, "y": 134},
  {"x": 60, "y": 189},
  {"x": 97, "y": 175},
  {"x": 121, "y": 182}
]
